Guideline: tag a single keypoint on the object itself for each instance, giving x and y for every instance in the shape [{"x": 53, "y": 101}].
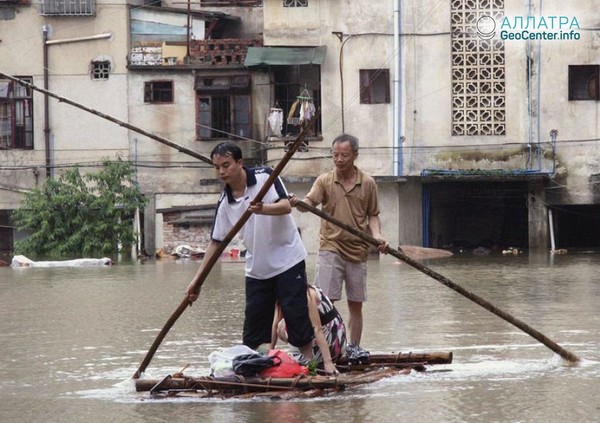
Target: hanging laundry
[
  {"x": 302, "y": 110},
  {"x": 290, "y": 117},
  {"x": 307, "y": 110},
  {"x": 275, "y": 120}
]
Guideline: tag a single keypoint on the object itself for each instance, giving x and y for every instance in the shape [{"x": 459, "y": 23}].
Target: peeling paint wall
[{"x": 76, "y": 137}]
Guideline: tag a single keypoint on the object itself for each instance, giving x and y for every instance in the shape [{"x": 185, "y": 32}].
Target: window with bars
[
  {"x": 16, "y": 115},
  {"x": 583, "y": 82},
  {"x": 374, "y": 86},
  {"x": 478, "y": 71},
  {"x": 223, "y": 116},
  {"x": 68, "y": 7},
  {"x": 100, "y": 69},
  {"x": 158, "y": 92},
  {"x": 223, "y": 107},
  {"x": 295, "y": 3},
  {"x": 212, "y": 3},
  {"x": 13, "y": 3}
]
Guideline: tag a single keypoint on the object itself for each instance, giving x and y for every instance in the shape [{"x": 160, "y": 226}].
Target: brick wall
[
  {"x": 221, "y": 52},
  {"x": 196, "y": 236}
]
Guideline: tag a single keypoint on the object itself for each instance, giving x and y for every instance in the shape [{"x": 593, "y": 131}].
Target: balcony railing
[
  {"x": 68, "y": 7},
  {"x": 229, "y": 3},
  {"x": 218, "y": 53},
  {"x": 222, "y": 52}
]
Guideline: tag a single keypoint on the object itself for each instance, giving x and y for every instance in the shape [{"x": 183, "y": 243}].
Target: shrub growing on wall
[{"x": 81, "y": 215}]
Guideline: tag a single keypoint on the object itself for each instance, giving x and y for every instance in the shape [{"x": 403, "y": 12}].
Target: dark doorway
[
  {"x": 576, "y": 226},
  {"x": 467, "y": 215},
  {"x": 292, "y": 84},
  {"x": 6, "y": 235}
]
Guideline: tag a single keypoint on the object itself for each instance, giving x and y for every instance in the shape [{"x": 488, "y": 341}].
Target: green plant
[
  {"x": 312, "y": 367},
  {"x": 79, "y": 215}
]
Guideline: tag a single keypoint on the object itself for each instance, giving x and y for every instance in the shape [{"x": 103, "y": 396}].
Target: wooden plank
[
  {"x": 239, "y": 384},
  {"x": 411, "y": 357}
]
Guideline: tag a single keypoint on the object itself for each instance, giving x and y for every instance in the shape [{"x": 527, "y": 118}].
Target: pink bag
[{"x": 285, "y": 366}]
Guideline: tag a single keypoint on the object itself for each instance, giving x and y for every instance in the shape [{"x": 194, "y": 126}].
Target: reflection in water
[{"x": 71, "y": 338}]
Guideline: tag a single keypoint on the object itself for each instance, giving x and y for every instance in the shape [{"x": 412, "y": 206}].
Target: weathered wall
[
  {"x": 358, "y": 35},
  {"x": 77, "y": 137},
  {"x": 577, "y": 122},
  {"x": 410, "y": 215},
  {"x": 367, "y": 44},
  {"x": 536, "y": 100}
]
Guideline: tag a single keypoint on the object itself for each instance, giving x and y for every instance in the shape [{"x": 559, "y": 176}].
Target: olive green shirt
[{"x": 353, "y": 208}]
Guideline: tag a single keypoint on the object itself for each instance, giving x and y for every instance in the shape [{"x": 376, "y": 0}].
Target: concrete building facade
[{"x": 478, "y": 118}]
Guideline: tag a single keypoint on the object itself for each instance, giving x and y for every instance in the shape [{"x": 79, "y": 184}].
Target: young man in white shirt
[{"x": 275, "y": 256}]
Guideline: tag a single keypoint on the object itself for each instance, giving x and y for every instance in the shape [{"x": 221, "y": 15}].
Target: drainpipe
[
  {"x": 340, "y": 35},
  {"x": 539, "y": 98},
  {"x": 45, "y": 29},
  {"x": 396, "y": 108},
  {"x": 187, "y": 39},
  {"x": 529, "y": 56},
  {"x": 79, "y": 39},
  {"x": 551, "y": 225}
]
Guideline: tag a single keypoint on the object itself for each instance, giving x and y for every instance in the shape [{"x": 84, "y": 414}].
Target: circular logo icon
[{"x": 486, "y": 27}]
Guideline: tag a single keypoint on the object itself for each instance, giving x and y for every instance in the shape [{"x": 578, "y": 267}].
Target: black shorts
[{"x": 287, "y": 288}]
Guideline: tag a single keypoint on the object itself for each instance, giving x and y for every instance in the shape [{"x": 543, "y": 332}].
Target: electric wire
[{"x": 416, "y": 149}]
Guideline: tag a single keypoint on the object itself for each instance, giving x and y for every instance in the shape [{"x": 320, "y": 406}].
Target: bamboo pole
[
  {"x": 247, "y": 384},
  {"x": 406, "y": 358},
  {"x": 254, "y": 384},
  {"x": 211, "y": 260},
  {"x": 567, "y": 355}
]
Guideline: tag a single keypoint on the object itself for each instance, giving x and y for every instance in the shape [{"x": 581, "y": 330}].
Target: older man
[{"x": 351, "y": 196}]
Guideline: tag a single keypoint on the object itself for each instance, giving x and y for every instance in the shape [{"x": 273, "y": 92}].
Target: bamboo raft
[{"x": 378, "y": 367}]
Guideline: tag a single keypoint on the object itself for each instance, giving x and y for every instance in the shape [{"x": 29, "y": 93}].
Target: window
[
  {"x": 295, "y": 3},
  {"x": 292, "y": 83},
  {"x": 16, "y": 115},
  {"x": 223, "y": 106},
  {"x": 68, "y": 7},
  {"x": 158, "y": 92},
  {"x": 230, "y": 3},
  {"x": 14, "y": 3},
  {"x": 223, "y": 116},
  {"x": 100, "y": 69},
  {"x": 583, "y": 82},
  {"x": 374, "y": 86}
]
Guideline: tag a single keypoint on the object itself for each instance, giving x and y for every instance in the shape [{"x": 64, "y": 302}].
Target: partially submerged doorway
[
  {"x": 465, "y": 215},
  {"x": 576, "y": 226}
]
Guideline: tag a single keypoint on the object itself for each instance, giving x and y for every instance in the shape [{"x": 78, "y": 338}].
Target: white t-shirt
[{"x": 272, "y": 243}]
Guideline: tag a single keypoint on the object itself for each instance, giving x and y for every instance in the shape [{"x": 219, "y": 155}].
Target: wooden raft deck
[{"x": 379, "y": 366}]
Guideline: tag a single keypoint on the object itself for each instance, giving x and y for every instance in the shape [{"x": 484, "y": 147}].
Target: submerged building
[{"x": 478, "y": 118}]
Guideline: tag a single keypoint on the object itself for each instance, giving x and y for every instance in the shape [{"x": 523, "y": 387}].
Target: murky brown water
[{"x": 71, "y": 338}]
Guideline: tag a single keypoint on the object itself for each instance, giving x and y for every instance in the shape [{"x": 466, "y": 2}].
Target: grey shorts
[{"x": 332, "y": 271}]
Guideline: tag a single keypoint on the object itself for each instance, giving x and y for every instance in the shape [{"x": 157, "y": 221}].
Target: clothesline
[{"x": 302, "y": 109}]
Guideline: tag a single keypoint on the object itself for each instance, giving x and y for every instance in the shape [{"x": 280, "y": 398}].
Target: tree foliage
[{"x": 81, "y": 215}]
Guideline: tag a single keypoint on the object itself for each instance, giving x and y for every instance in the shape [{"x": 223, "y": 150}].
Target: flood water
[{"x": 71, "y": 339}]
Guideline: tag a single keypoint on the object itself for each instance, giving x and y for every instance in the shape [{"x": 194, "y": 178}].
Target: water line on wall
[{"x": 529, "y": 167}]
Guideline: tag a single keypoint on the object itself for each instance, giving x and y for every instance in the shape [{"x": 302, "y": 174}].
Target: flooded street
[{"x": 71, "y": 338}]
